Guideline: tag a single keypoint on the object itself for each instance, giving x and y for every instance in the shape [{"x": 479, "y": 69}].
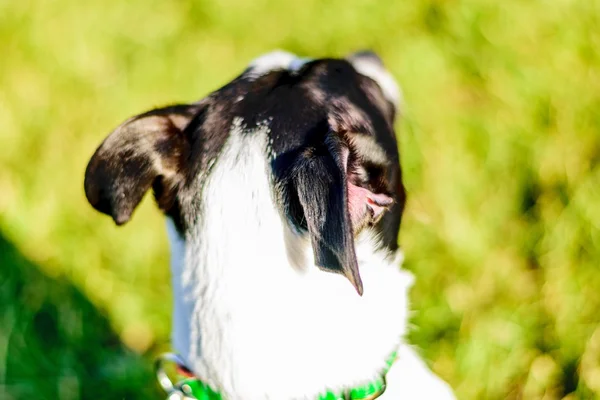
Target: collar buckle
[{"x": 175, "y": 391}]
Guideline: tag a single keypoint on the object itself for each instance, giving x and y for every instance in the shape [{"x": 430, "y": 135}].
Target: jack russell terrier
[{"x": 283, "y": 196}]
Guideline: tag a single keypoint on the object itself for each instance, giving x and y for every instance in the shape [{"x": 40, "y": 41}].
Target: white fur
[
  {"x": 277, "y": 59},
  {"x": 384, "y": 79},
  {"x": 255, "y": 318},
  {"x": 298, "y": 63}
]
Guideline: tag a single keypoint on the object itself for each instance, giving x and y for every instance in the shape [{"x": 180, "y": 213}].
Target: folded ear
[
  {"x": 148, "y": 150},
  {"x": 321, "y": 185}
]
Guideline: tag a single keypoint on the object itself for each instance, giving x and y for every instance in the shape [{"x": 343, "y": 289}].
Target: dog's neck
[{"x": 253, "y": 316}]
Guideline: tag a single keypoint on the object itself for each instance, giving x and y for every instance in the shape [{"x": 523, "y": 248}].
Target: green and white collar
[{"x": 191, "y": 388}]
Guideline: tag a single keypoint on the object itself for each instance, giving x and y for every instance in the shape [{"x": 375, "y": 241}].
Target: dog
[{"x": 283, "y": 197}]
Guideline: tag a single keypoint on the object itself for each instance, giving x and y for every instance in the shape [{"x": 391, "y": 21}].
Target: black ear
[
  {"x": 148, "y": 150},
  {"x": 319, "y": 178}
]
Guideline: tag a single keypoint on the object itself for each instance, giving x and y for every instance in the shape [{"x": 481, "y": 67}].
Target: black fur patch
[{"x": 171, "y": 148}]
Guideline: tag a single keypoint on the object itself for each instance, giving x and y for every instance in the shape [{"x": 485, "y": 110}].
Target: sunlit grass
[{"x": 500, "y": 144}]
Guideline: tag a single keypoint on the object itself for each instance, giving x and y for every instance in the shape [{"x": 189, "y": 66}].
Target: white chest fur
[{"x": 253, "y": 316}]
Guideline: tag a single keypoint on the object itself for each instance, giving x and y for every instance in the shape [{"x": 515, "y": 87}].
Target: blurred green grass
[
  {"x": 54, "y": 344},
  {"x": 500, "y": 144}
]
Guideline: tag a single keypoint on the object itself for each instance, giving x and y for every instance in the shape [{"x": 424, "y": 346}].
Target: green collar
[{"x": 194, "y": 389}]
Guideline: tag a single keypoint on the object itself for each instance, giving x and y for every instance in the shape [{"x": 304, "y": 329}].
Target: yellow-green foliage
[{"x": 500, "y": 144}]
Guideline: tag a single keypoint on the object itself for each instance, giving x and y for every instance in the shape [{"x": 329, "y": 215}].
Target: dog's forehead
[
  {"x": 366, "y": 64},
  {"x": 298, "y": 100},
  {"x": 274, "y": 60}
]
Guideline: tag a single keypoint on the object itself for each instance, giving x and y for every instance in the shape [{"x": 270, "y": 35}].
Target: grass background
[{"x": 500, "y": 144}]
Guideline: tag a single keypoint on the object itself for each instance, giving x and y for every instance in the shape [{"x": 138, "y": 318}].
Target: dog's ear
[
  {"x": 369, "y": 64},
  {"x": 148, "y": 150},
  {"x": 319, "y": 178}
]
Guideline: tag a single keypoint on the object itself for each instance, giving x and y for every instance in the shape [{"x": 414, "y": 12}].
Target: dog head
[{"x": 331, "y": 149}]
